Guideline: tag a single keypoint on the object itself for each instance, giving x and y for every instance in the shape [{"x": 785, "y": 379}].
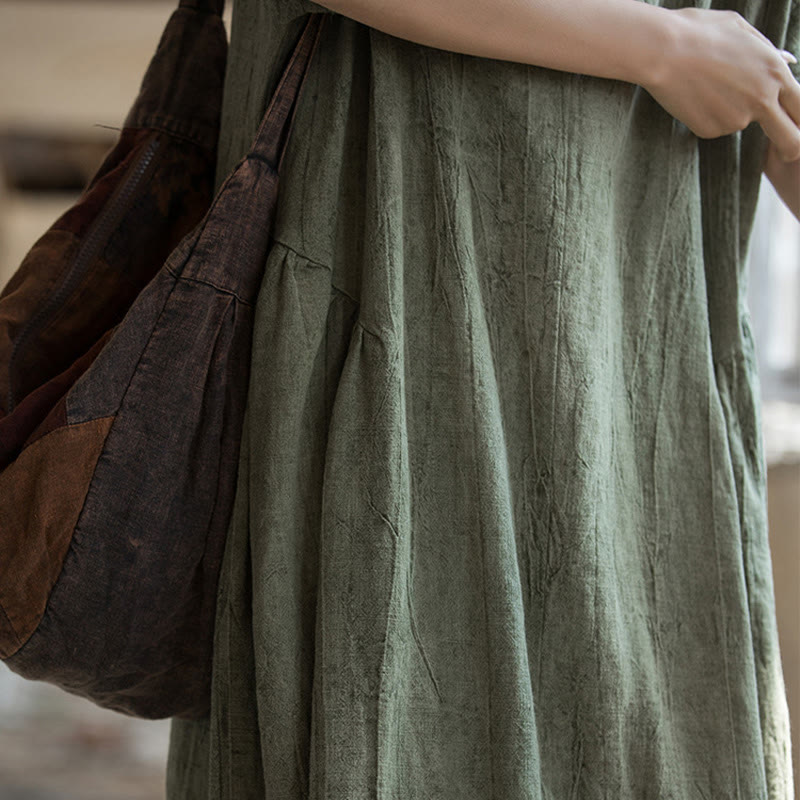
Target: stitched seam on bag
[
  {"x": 10, "y": 626},
  {"x": 207, "y": 283},
  {"x": 203, "y": 136}
]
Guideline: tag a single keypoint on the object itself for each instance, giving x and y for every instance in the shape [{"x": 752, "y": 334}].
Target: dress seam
[
  {"x": 730, "y": 356},
  {"x": 304, "y": 256},
  {"x": 316, "y": 263}
]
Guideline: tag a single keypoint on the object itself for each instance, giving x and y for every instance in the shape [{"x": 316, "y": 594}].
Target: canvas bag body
[{"x": 120, "y": 435}]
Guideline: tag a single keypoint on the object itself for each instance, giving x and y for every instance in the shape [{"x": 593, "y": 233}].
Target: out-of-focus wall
[
  {"x": 69, "y": 64},
  {"x": 783, "y": 489}
]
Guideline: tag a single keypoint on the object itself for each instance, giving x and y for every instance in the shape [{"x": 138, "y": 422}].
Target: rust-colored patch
[
  {"x": 42, "y": 494},
  {"x": 45, "y": 409}
]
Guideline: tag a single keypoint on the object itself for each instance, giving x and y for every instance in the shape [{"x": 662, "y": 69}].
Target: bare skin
[
  {"x": 724, "y": 74},
  {"x": 785, "y": 177},
  {"x": 711, "y": 69}
]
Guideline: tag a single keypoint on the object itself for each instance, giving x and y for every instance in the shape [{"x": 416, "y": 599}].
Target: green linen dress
[{"x": 500, "y": 527}]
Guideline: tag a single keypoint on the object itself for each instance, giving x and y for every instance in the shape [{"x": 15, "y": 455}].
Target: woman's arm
[
  {"x": 785, "y": 177},
  {"x": 619, "y": 39}
]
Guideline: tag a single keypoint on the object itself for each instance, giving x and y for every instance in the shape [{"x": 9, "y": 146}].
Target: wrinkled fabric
[{"x": 500, "y": 525}]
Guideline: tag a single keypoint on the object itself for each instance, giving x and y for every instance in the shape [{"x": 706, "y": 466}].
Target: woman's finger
[
  {"x": 783, "y": 131},
  {"x": 789, "y": 98}
]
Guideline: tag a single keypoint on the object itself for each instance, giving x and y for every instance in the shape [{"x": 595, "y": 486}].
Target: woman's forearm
[{"x": 618, "y": 39}]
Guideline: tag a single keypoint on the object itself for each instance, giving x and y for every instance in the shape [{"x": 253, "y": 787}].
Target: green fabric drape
[{"x": 500, "y": 528}]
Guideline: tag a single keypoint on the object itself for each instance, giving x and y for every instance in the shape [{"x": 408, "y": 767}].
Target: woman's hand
[{"x": 719, "y": 74}]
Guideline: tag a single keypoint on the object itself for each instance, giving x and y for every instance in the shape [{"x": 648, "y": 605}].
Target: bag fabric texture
[{"x": 125, "y": 341}]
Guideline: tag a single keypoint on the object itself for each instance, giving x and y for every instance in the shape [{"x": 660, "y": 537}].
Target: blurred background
[{"x": 72, "y": 69}]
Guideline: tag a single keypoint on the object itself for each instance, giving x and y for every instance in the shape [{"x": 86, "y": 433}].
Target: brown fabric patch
[
  {"x": 42, "y": 493},
  {"x": 43, "y": 410}
]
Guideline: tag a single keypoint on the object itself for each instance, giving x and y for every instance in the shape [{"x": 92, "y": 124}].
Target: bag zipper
[{"x": 93, "y": 243}]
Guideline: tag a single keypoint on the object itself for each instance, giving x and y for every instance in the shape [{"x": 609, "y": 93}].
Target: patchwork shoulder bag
[{"x": 125, "y": 343}]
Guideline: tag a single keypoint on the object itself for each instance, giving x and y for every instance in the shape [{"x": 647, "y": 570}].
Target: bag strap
[
  {"x": 273, "y": 133},
  {"x": 211, "y": 6}
]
